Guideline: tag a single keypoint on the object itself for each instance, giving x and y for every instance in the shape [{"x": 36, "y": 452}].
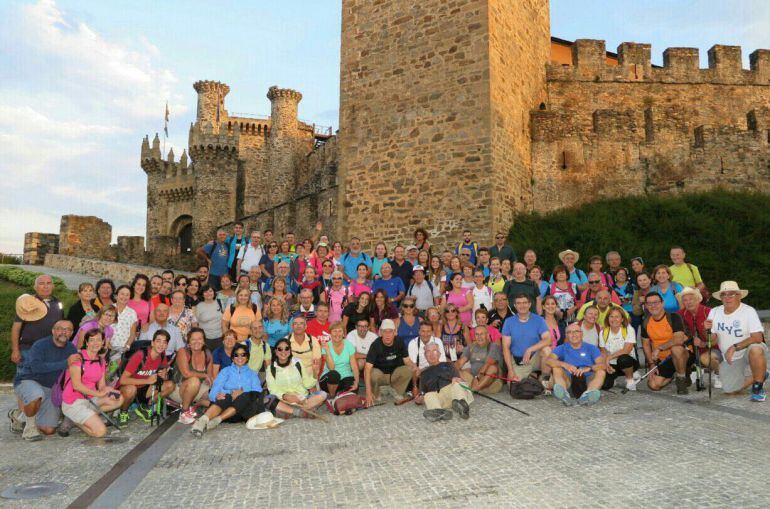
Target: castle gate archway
[{"x": 181, "y": 228}]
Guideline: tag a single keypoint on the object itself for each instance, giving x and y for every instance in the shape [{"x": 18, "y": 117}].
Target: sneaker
[
  {"x": 187, "y": 417},
  {"x": 213, "y": 423},
  {"x": 16, "y": 425},
  {"x": 693, "y": 377},
  {"x": 123, "y": 418},
  {"x": 631, "y": 384},
  {"x": 562, "y": 395},
  {"x": 143, "y": 413},
  {"x": 637, "y": 376},
  {"x": 461, "y": 407},
  {"x": 31, "y": 433},
  {"x": 400, "y": 398},
  {"x": 717, "y": 381},
  {"x": 199, "y": 427},
  {"x": 64, "y": 428},
  {"x": 589, "y": 398},
  {"x": 681, "y": 385},
  {"x": 437, "y": 414},
  {"x": 758, "y": 393}
]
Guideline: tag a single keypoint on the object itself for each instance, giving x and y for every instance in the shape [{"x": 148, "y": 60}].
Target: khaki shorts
[
  {"x": 524, "y": 370},
  {"x": 79, "y": 411},
  {"x": 203, "y": 392},
  {"x": 733, "y": 376}
]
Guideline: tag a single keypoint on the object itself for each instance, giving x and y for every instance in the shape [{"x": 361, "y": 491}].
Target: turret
[
  {"x": 155, "y": 152},
  {"x": 211, "y": 101},
  {"x": 283, "y": 108},
  {"x": 171, "y": 155},
  {"x": 145, "y": 148},
  {"x": 283, "y": 143},
  {"x": 183, "y": 160}
]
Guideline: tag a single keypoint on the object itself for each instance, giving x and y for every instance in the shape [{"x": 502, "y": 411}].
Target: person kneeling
[
  {"x": 577, "y": 367},
  {"x": 235, "y": 396},
  {"x": 441, "y": 388},
  {"x": 86, "y": 392},
  {"x": 289, "y": 383}
]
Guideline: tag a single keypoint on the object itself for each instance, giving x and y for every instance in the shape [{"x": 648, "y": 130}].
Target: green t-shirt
[
  {"x": 684, "y": 276},
  {"x": 341, "y": 361}
]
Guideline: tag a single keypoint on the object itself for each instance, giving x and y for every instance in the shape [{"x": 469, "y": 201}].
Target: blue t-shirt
[
  {"x": 44, "y": 362},
  {"x": 350, "y": 263},
  {"x": 583, "y": 357},
  {"x": 377, "y": 266},
  {"x": 219, "y": 254},
  {"x": 670, "y": 304},
  {"x": 275, "y": 330},
  {"x": 221, "y": 358},
  {"x": 524, "y": 334},
  {"x": 392, "y": 286},
  {"x": 407, "y": 332}
]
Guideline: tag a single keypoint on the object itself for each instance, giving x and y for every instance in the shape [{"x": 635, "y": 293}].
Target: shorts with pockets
[
  {"x": 733, "y": 376},
  {"x": 28, "y": 391}
]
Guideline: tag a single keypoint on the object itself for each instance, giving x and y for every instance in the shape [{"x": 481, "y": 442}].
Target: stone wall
[
  {"x": 37, "y": 245},
  {"x": 86, "y": 236},
  {"x": 633, "y": 128},
  {"x": 119, "y": 272}
]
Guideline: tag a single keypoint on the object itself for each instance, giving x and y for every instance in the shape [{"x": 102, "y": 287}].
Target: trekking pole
[
  {"x": 494, "y": 399},
  {"x": 104, "y": 414},
  {"x": 636, "y": 382},
  {"x": 309, "y": 412},
  {"x": 711, "y": 369},
  {"x": 699, "y": 370}
]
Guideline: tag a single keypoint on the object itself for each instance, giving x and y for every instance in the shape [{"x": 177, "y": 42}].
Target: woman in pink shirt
[
  {"x": 460, "y": 297},
  {"x": 140, "y": 301},
  {"x": 362, "y": 283},
  {"x": 85, "y": 388}
]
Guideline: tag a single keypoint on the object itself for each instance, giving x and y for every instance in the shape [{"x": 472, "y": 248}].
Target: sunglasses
[
  {"x": 284, "y": 349},
  {"x": 240, "y": 355},
  {"x": 451, "y": 311},
  {"x": 594, "y": 282},
  {"x": 336, "y": 279},
  {"x": 408, "y": 306}
]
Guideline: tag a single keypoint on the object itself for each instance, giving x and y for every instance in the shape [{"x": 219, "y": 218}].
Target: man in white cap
[
  {"x": 569, "y": 258},
  {"x": 35, "y": 316},
  {"x": 741, "y": 339},
  {"x": 387, "y": 365},
  {"x": 694, "y": 315}
]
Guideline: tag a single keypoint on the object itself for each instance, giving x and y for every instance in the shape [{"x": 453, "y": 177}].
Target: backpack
[
  {"x": 57, "y": 390},
  {"x": 297, "y": 363},
  {"x": 145, "y": 350},
  {"x": 528, "y": 388},
  {"x": 253, "y": 309},
  {"x": 345, "y": 403},
  {"x": 345, "y": 297},
  {"x": 411, "y": 287}
]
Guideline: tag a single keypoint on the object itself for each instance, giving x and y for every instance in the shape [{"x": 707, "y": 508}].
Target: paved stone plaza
[{"x": 633, "y": 450}]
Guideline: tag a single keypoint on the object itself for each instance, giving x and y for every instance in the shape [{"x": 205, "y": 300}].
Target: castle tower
[
  {"x": 153, "y": 166},
  {"x": 283, "y": 143},
  {"x": 211, "y": 102},
  {"x": 434, "y": 114}
]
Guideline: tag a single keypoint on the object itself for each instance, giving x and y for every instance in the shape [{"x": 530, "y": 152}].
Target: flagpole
[{"x": 165, "y": 128}]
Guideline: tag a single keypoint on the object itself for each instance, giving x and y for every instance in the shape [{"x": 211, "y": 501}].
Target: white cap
[
  {"x": 387, "y": 324},
  {"x": 418, "y": 267}
]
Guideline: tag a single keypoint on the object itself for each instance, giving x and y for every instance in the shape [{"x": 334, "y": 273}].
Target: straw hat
[
  {"x": 30, "y": 308},
  {"x": 569, "y": 251},
  {"x": 729, "y": 286},
  {"x": 265, "y": 420},
  {"x": 688, "y": 290}
]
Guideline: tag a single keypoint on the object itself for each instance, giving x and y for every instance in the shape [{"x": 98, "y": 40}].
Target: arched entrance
[{"x": 181, "y": 228}]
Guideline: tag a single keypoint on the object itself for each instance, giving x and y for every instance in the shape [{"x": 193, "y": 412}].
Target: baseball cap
[
  {"x": 387, "y": 324},
  {"x": 418, "y": 267},
  {"x": 410, "y": 247}
]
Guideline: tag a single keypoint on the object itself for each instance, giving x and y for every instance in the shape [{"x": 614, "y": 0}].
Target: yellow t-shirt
[
  {"x": 684, "y": 276},
  {"x": 305, "y": 352}
]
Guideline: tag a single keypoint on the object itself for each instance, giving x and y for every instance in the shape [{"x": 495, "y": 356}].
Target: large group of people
[{"x": 269, "y": 329}]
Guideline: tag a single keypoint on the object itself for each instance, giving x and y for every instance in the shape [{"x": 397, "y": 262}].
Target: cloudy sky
[{"x": 81, "y": 82}]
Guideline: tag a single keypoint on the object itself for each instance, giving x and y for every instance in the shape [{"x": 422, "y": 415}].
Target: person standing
[
  {"x": 216, "y": 253},
  {"x": 35, "y": 317},
  {"x": 234, "y": 244},
  {"x": 250, "y": 254},
  {"x": 501, "y": 250}
]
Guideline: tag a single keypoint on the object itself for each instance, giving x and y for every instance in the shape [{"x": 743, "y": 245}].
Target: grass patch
[{"x": 724, "y": 233}]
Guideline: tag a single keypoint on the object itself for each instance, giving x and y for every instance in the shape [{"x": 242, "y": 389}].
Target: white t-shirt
[
  {"x": 590, "y": 335},
  {"x": 249, "y": 256},
  {"x": 481, "y": 296},
  {"x": 417, "y": 343},
  {"x": 735, "y": 327},
  {"x": 122, "y": 328},
  {"x": 362, "y": 344},
  {"x": 423, "y": 294},
  {"x": 616, "y": 341}
]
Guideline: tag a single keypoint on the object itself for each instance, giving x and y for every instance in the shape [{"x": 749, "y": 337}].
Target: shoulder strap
[{"x": 232, "y": 309}]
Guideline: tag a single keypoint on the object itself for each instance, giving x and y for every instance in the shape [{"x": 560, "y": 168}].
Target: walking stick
[
  {"x": 309, "y": 412},
  {"x": 494, "y": 399},
  {"x": 636, "y": 382},
  {"x": 104, "y": 414},
  {"x": 711, "y": 370}
]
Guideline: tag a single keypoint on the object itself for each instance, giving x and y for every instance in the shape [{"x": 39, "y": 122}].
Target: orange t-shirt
[
  {"x": 240, "y": 320},
  {"x": 662, "y": 331}
]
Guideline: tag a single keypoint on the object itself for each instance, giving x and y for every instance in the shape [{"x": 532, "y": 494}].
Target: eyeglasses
[
  {"x": 451, "y": 311},
  {"x": 653, "y": 302},
  {"x": 336, "y": 279},
  {"x": 242, "y": 354},
  {"x": 729, "y": 294},
  {"x": 408, "y": 306},
  {"x": 499, "y": 237},
  {"x": 465, "y": 254},
  {"x": 284, "y": 349}
]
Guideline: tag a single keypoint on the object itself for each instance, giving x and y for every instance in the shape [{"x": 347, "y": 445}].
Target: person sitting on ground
[
  {"x": 526, "y": 341},
  {"x": 663, "y": 339},
  {"x": 260, "y": 353},
  {"x": 222, "y": 356},
  {"x": 160, "y": 322},
  {"x": 694, "y": 315},
  {"x": 146, "y": 373},
  {"x": 741, "y": 339},
  {"x": 578, "y": 369},
  {"x": 37, "y": 372},
  {"x": 85, "y": 391},
  {"x": 480, "y": 362},
  {"x": 235, "y": 395},
  {"x": 193, "y": 375},
  {"x": 291, "y": 385},
  {"x": 441, "y": 389},
  {"x": 617, "y": 342},
  {"x": 387, "y": 364},
  {"x": 341, "y": 369},
  {"x": 362, "y": 338},
  {"x": 304, "y": 347}
]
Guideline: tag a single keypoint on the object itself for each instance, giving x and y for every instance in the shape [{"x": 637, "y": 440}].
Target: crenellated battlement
[
  {"x": 276, "y": 92},
  {"x": 248, "y": 126},
  {"x": 153, "y": 162},
  {"x": 680, "y": 65},
  {"x": 207, "y": 141}
]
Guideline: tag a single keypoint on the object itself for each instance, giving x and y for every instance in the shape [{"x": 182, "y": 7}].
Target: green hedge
[
  {"x": 13, "y": 282},
  {"x": 726, "y": 234}
]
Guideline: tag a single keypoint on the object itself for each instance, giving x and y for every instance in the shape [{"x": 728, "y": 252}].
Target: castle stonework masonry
[{"x": 457, "y": 115}]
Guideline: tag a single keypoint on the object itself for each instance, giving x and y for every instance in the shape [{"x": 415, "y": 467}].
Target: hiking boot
[
  {"x": 681, "y": 385},
  {"x": 64, "y": 428},
  {"x": 123, "y": 417},
  {"x": 31, "y": 433},
  {"x": 399, "y": 398},
  {"x": 143, "y": 413},
  {"x": 562, "y": 395},
  {"x": 758, "y": 393},
  {"x": 589, "y": 398},
  {"x": 16, "y": 424},
  {"x": 199, "y": 427},
  {"x": 437, "y": 414},
  {"x": 460, "y": 406},
  {"x": 213, "y": 423}
]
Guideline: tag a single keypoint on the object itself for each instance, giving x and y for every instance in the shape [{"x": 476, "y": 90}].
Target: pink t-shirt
[
  {"x": 459, "y": 300},
  {"x": 93, "y": 324},
  {"x": 357, "y": 288},
  {"x": 93, "y": 371},
  {"x": 494, "y": 334},
  {"x": 143, "y": 309}
]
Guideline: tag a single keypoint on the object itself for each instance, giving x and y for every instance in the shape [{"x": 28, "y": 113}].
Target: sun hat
[
  {"x": 387, "y": 324},
  {"x": 265, "y": 420},
  {"x": 569, "y": 251},
  {"x": 729, "y": 286},
  {"x": 30, "y": 308},
  {"x": 688, "y": 290}
]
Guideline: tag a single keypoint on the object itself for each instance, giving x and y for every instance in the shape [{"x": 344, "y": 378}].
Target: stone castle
[{"x": 460, "y": 114}]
